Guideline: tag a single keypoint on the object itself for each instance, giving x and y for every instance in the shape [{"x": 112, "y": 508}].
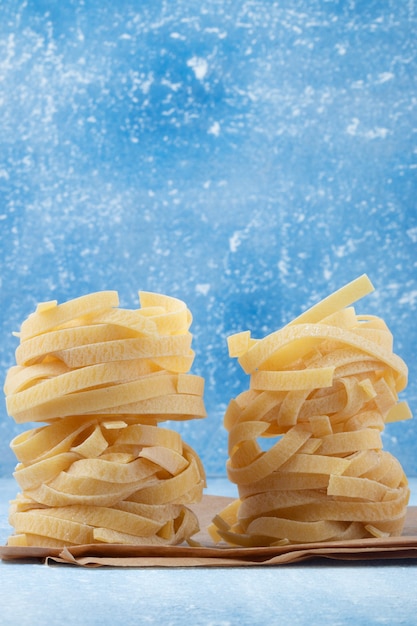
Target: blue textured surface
[{"x": 249, "y": 157}]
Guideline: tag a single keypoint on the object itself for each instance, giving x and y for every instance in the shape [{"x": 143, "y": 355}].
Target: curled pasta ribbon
[
  {"x": 88, "y": 356},
  {"x": 321, "y": 391},
  {"x": 100, "y": 475},
  {"x": 109, "y": 389},
  {"x": 126, "y": 523},
  {"x": 103, "y": 378}
]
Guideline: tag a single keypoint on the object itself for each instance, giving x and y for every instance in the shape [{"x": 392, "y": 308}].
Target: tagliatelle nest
[
  {"x": 103, "y": 378},
  {"x": 324, "y": 386}
]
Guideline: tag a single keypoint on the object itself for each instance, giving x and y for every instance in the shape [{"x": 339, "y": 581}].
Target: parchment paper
[{"x": 222, "y": 555}]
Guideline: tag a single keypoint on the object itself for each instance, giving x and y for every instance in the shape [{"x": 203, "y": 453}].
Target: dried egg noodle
[
  {"x": 99, "y": 380},
  {"x": 321, "y": 389}
]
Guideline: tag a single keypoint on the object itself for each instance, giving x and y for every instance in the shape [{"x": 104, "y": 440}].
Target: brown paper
[{"x": 208, "y": 554}]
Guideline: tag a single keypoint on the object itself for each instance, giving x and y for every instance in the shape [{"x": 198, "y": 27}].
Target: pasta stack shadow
[
  {"x": 102, "y": 379},
  {"x": 304, "y": 441}
]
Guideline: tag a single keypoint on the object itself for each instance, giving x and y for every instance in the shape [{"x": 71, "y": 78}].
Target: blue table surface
[{"x": 319, "y": 591}]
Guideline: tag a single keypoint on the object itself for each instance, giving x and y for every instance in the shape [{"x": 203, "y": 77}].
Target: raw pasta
[
  {"x": 99, "y": 380},
  {"x": 321, "y": 391}
]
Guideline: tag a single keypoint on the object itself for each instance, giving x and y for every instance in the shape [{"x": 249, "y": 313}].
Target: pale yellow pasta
[
  {"x": 275, "y": 457},
  {"x": 170, "y": 315},
  {"x": 101, "y": 379},
  {"x": 40, "y": 472},
  {"x": 170, "y": 460},
  {"x": 179, "y": 407},
  {"x": 292, "y": 379},
  {"x": 63, "y": 340},
  {"x": 93, "y": 446},
  {"x": 46, "y": 441},
  {"x": 126, "y": 321},
  {"x": 127, "y": 349},
  {"x": 81, "y": 389},
  {"x": 126, "y": 523},
  {"x": 52, "y": 315},
  {"x": 332, "y": 378}
]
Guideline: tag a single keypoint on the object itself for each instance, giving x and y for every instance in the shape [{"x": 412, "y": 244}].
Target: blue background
[{"x": 248, "y": 157}]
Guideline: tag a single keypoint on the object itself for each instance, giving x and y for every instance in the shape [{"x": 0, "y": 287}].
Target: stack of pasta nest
[
  {"x": 305, "y": 445},
  {"x": 101, "y": 379}
]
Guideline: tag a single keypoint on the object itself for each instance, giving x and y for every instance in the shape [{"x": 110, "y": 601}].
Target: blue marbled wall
[{"x": 249, "y": 157}]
